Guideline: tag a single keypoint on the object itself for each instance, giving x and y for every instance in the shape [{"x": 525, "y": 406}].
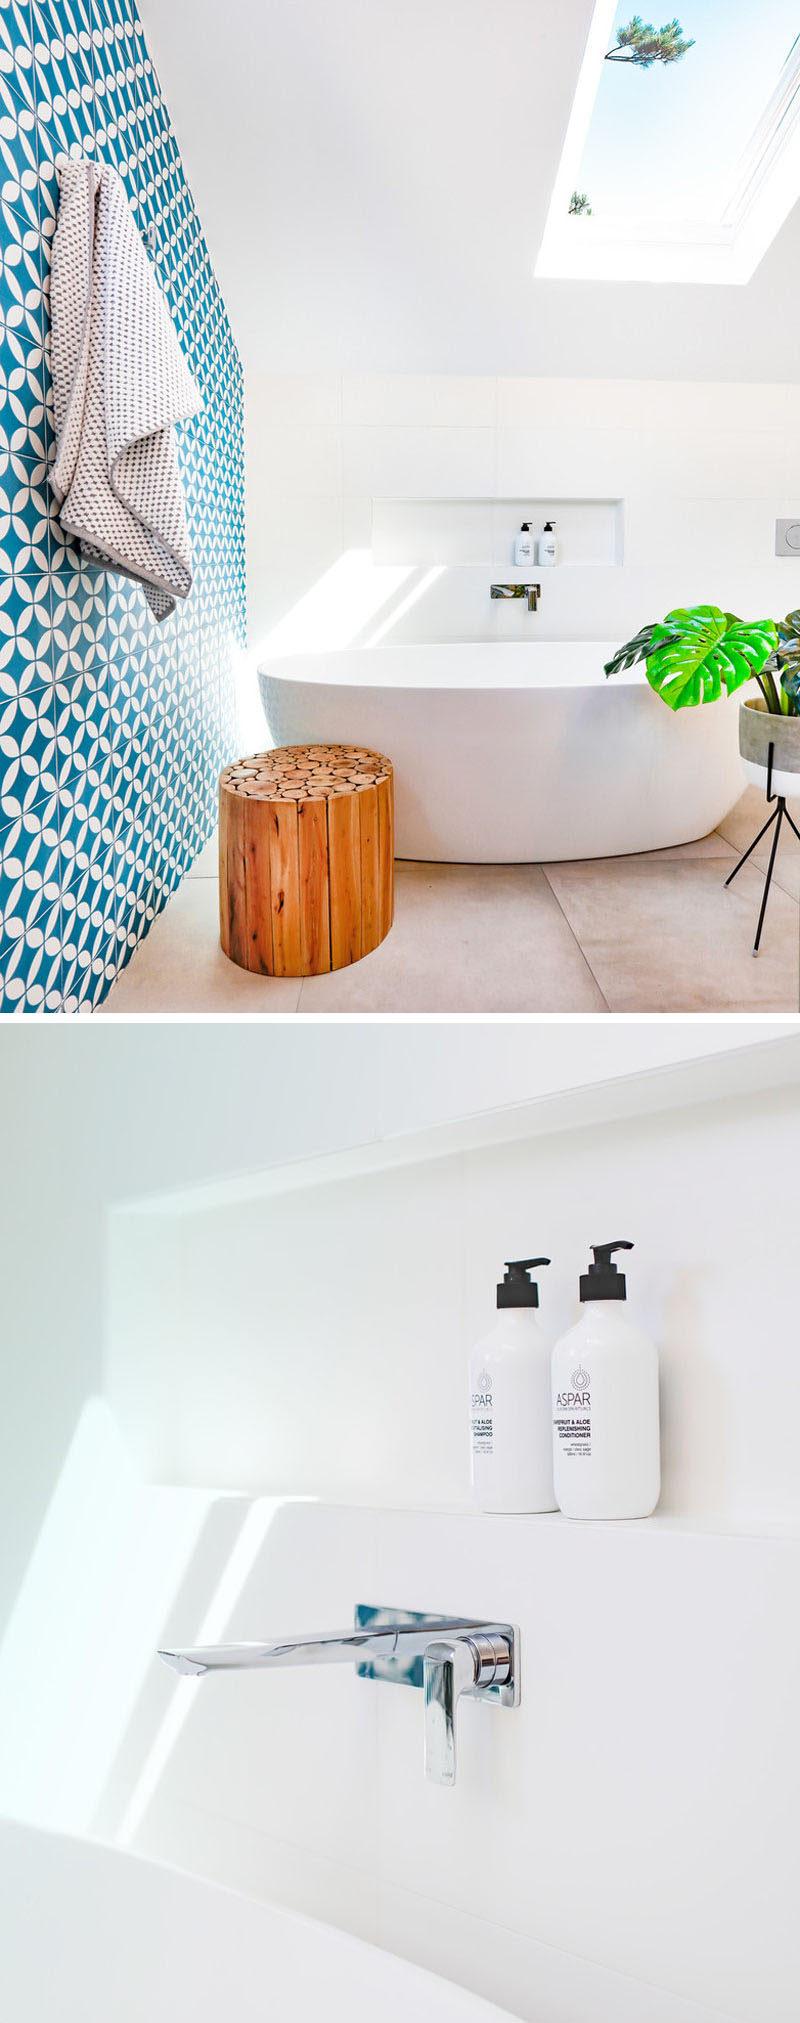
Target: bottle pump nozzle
[
  {"x": 604, "y": 1280},
  {"x": 517, "y": 1289}
]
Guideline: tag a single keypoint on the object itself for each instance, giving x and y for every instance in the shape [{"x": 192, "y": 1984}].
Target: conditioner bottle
[
  {"x": 605, "y": 1404},
  {"x": 512, "y": 1449},
  {"x": 547, "y": 547}
]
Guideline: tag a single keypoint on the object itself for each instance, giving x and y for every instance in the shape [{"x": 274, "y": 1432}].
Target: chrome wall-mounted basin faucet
[
  {"x": 532, "y": 591},
  {"x": 449, "y": 1657}
]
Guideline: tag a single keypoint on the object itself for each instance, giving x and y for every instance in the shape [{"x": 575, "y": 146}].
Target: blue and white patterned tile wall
[{"x": 112, "y": 730}]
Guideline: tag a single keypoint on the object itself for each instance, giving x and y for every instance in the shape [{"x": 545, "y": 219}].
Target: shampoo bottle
[
  {"x": 523, "y": 546},
  {"x": 512, "y": 1449},
  {"x": 605, "y": 1404}
]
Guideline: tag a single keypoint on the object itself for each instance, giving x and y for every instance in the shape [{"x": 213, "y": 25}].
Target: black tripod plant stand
[{"x": 777, "y": 817}]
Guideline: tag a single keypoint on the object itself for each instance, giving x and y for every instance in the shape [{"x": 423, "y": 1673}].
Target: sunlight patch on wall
[
  {"x": 357, "y": 602},
  {"x": 337, "y": 607},
  {"x": 406, "y": 604},
  {"x": 240, "y": 1564},
  {"x": 109, "y": 1558}
]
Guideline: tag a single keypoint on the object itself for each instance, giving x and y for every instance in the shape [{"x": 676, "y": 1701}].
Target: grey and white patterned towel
[{"x": 120, "y": 381}]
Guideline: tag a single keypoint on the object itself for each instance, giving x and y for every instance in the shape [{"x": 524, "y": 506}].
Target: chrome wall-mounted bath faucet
[
  {"x": 532, "y": 591},
  {"x": 449, "y": 1657}
]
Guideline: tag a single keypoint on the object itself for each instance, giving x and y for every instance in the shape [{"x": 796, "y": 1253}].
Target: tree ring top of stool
[{"x": 305, "y": 773}]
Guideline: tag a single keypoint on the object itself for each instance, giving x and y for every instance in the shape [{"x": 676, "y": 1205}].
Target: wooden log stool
[{"x": 306, "y": 858}]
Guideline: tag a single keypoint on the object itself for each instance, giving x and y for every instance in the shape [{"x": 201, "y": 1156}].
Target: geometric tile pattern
[{"x": 113, "y": 730}]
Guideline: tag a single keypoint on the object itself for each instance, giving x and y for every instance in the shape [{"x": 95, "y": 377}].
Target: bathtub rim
[{"x": 338, "y": 667}]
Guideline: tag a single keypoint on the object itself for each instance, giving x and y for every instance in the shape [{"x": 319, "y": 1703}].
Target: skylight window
[{"x": 682, "y": 156}]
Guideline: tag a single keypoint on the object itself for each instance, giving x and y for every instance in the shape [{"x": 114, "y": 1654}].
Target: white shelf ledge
[{"x": 715, "y": 1078}]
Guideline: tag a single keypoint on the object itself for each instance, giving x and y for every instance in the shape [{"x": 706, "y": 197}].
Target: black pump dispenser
[
  {"x": 604, "y": 1280},
  {"x": 517, "y": 1289}
]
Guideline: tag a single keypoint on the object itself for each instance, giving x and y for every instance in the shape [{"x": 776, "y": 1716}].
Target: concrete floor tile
[
  {"x": 180, "y": 967},
  {"x": 467, "y": 938},
  {"x": 668, "y": 937},
  {"x": 655, "y": 933},
  {"x": 744, "y": 822}
]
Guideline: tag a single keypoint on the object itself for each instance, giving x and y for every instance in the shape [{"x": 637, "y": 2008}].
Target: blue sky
[{"x": 666, "y": 141}]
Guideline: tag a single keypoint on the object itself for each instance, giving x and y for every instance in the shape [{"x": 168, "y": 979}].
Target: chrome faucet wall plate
[
  {"x": 405, "y": 1665},
  {"x": 448, "y": 1657},
  {"x": 530, "y": 591}
]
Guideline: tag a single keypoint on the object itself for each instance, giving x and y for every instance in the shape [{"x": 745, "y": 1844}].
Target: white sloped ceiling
[{"x": 373, "y": 178}]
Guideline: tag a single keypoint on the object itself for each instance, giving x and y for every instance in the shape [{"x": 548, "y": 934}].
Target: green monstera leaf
[
  {"x": 697, "y": 653},
  {"x": 790, "y": 683},
  {"x": 785, "y": 662},
  {"x": 789, "y": 633},
  {"x": 634, "y": 649}
]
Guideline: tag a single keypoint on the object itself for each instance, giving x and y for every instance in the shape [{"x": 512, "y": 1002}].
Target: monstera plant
[{"x": 697, "y": 655}]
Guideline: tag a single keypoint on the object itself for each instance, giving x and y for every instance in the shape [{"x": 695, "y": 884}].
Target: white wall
[
  {"x": 92, "y": 1118},
  {"x": 313, "y": 1342},
  {"x": 636, "y": 1813},
  {"x": 702, "y": 469},
  {"x": 639, "y": 1811}
]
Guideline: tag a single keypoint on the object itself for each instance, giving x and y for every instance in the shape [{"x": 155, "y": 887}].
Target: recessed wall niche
[{"x": 470, "y": 532}]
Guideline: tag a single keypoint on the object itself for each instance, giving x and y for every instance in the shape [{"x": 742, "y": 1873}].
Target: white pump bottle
[
  {"x": 547, "y": 546},
  {"x": 512, "y": 1448},
  {"x": 605, "y": 1404}
]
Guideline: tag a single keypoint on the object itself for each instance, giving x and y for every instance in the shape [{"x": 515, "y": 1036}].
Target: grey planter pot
[{"x": 757, "y": 729}]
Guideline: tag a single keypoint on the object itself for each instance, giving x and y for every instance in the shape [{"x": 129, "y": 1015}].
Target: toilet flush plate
[{"x": 787, "y": 538}]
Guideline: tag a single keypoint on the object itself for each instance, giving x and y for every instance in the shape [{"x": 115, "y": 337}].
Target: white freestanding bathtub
[
  {"x": 515, "y": 753},
  {"x": 89, "y": 1934}
]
